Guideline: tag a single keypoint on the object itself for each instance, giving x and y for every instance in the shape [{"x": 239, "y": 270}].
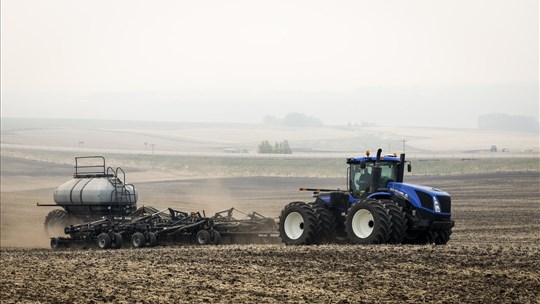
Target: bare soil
[
  {"x": 493, "y": 255},
  {"x": 275, "y": 274}
]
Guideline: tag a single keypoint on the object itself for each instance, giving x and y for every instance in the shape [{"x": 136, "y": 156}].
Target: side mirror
[
  {"x": 363, "y": 164},
  {"x": 409, "y": 167}
]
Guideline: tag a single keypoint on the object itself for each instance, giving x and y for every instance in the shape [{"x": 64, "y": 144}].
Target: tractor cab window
[{"x": 360, "y": 179}]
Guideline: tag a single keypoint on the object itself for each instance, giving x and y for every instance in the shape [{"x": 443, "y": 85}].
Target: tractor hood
[
  {"x": 422, "y": 196},
  {"x": 429, "y": 190}
]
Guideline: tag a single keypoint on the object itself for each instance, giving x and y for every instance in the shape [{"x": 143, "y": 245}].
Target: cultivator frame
[
  {"x": 149, "y": 227},
  {"x": 252, "y": 227}
]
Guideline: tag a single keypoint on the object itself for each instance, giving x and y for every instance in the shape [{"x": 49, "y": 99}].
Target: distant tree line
[
  {"x": 294, "y": 119},
  {"x": 363, "y": 124},
  {"x": 506, "y": 122},
  {"x": 265, "y": 147}
]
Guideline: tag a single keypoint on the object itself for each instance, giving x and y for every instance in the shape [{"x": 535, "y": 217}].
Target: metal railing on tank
[{"x": 89, "y": 170}]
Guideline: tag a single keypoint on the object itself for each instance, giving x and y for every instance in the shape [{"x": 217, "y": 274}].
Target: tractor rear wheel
[
  {"x": 138, "y": 240},
  {"x": 55, "y": 222},
  {"x": 298, "y": 224},
  {"x": 442, "y": 236},
  {"x": 398, "y": 222},
  {"x": 367, "y": 222},
  {"x": 104, "y": 241},
  {"x": 327, "y": 223}
]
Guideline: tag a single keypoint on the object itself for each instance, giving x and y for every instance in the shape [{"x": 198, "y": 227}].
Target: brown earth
[
  {"x": 493, "y": 256},
  {"x": 275, "y": 274}
]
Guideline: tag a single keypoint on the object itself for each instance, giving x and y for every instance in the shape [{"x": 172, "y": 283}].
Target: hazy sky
[{"x": 393, "y": 62}]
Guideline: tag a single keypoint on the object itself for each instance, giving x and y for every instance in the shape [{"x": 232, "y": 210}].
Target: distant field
[
  {"x": 236, "y": 165},
  {"x": 169, "y": 137}
]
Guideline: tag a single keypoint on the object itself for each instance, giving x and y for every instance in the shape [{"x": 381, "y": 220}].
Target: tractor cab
[{"x": 368, "y": 174}]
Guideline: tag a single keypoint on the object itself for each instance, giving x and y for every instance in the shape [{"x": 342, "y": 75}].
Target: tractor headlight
[{"x": 436, "y": 204}]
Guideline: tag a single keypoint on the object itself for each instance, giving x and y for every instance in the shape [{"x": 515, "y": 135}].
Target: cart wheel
[
  {"x": 116, "y": 240},
  {"x": 55, "y": 243},
  {"x": 215, "y": 237},
  {"x": 202, "y": 237},
  {"x": 104, "y": 241},
  {"x": 151, "y": 239},
  {"x": 138, "y": 240}
]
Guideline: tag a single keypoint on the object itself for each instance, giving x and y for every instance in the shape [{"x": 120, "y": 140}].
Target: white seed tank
[{"x": 95, "y": 191}]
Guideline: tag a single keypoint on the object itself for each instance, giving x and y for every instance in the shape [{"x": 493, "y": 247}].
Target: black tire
[
  {"x": 202, "y": 237},
  {"x": 442, "y": 237},
  {"x": 367, "y": 222},
  {"x": 116, "y": 240},
  {"x": 151, "y": 239},
  {"x": 340, "y": 236},
  {"x": 138, "y": 240},
  {"x": 55, "y": 243},
  {"x": 55, "y": 222},
  {"x": 215, "y": 237},
  {"x": 419, "y": 237},
  {"x": 398, "y": 222},
  {"x": 104, "y": 241},
  {"x": 298, "y": 224},
  {"x": 327, "y": 223}
]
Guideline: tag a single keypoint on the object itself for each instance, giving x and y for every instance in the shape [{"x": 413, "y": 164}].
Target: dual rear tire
[
  {"x": 298, "y": 224},
  {"x": 368, "y": 221}
]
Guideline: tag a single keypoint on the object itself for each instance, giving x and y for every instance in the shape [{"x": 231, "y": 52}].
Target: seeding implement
[{"x": 99, "y": 209}]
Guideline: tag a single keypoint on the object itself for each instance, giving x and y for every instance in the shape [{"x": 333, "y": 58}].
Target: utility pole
[
  {"x": 403, "y": 145},
  {"x": 153, "y": 155}
]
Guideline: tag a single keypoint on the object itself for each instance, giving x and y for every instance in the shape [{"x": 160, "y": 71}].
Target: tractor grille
[
  {"x": 445, "y": 202},
  {"x": 425, "y": 199}
]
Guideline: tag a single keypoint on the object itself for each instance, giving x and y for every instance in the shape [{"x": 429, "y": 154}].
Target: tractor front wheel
[
  {"x": 398, "y": 222},
  {"x": 419, "y": 237},
  {"x": 442, "y": 237},
  {"x": 368, "y": 222}
]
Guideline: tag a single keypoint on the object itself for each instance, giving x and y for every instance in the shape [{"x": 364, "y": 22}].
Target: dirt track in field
[{"x": 493, "y": 255}]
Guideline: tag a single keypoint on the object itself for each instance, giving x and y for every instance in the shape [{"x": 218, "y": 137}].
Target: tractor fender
[{"x": 380, "y": 195}]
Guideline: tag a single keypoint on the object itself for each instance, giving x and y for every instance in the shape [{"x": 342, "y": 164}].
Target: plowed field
[{"x": 493, "y": 257}]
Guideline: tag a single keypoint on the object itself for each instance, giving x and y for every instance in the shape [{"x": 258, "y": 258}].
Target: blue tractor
[{"x": 377, "y": 208}]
